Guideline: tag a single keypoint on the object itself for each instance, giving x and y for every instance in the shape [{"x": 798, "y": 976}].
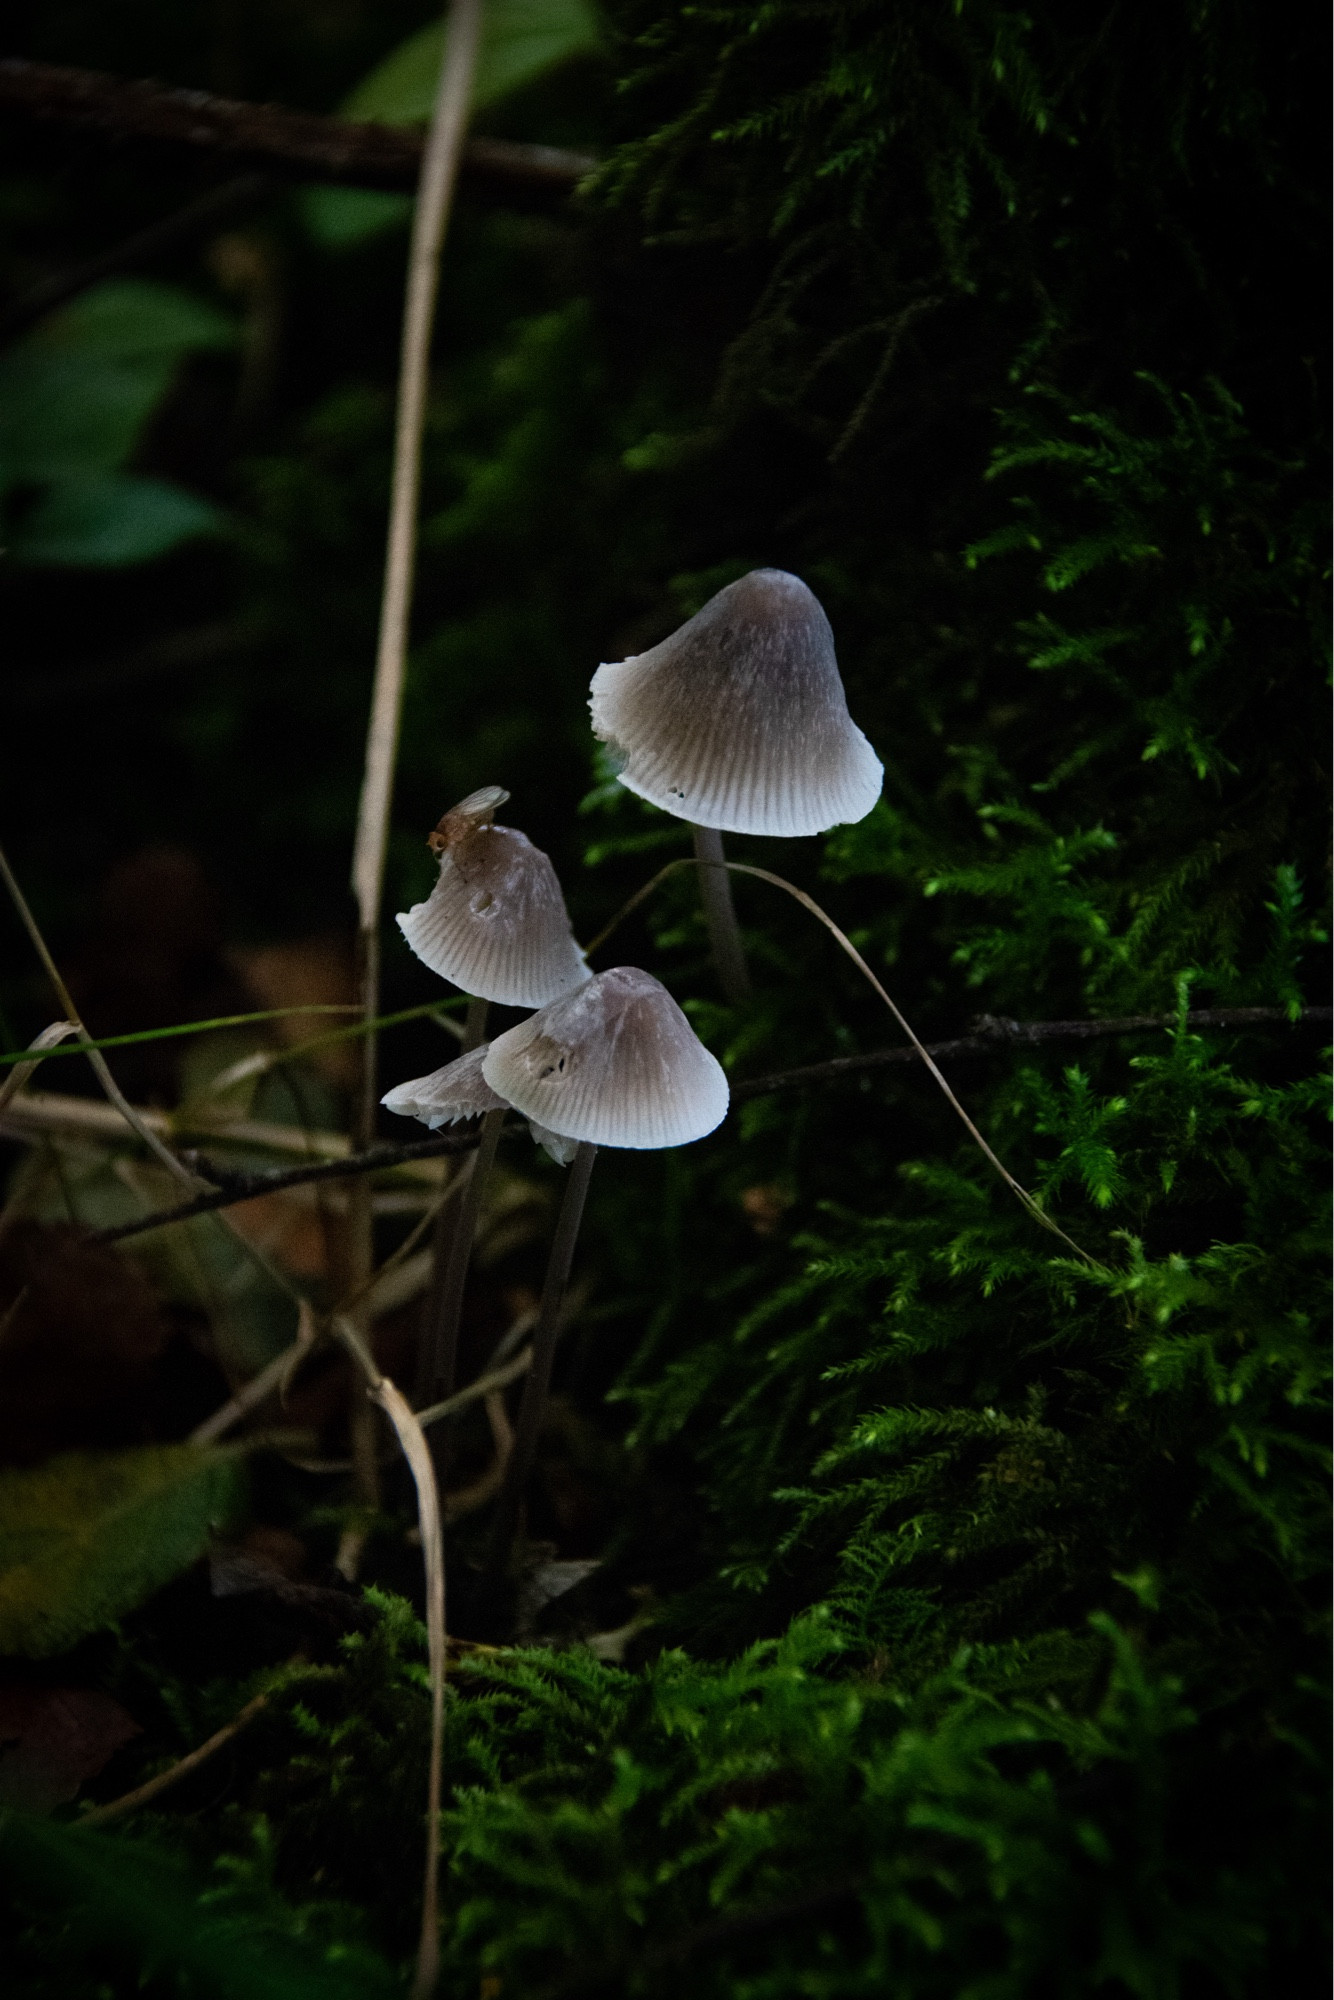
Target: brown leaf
[
  {"x": 52, "y": 1740},
  {"x": 81, "y": 1333}
]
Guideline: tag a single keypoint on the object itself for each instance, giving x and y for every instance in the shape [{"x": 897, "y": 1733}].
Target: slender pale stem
[
  {"x": 451, "y": 1253},
  {"x": 533, "y": 1408},
  {"x": 729, "y": 954},
  {"x": 434, "y": 194},
  {"x": 447, "y": 1298}
]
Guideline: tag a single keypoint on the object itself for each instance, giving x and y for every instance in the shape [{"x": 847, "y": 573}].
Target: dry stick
[
  {"x": 489, "y": 1384},
  {"x": 418, "y": 1454},
  {"x": 996, "y": 1035},
  {"x": 302, "y": 144},
  {"x": 250, "y": 1187},
  {"x": 992, "y": 1032},
  {"x": 533, "y": 1407},
  {"x": 142, "y": 1794},
  {"x": 440, "y": 163},
  {"x": 276, "y": 1374},
  {"x": 729, "y": 954}
]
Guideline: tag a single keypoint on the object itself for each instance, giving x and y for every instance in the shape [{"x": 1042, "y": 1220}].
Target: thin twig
[
  {"x": 249, "y": 1187},
  {"x": 485, "y": 1385},
  {"x": 992, "y": 1033},
  {"x": 153, "y": 1787},
  {"x": 299, "y": 143},
  {"x": 465, "y": 1500}
]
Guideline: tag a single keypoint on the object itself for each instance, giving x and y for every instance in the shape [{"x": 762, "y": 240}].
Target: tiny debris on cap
[
  {"x": 495, "y": 923},
  {"x": 739, "y": 720},
  {"x": 615, "y": 1063},
  {"x": 447, "y": 1095}
]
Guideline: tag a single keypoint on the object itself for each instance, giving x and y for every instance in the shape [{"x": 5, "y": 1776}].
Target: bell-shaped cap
[
  {"x": 495, "y": 922},
  {"x": 447, "y": 1095},
  {"x": 739, "y": 720},
  {"x": 616, "y": 1063}
]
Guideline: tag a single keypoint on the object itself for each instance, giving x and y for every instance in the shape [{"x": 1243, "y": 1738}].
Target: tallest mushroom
[{"x": 738, "y": 723}]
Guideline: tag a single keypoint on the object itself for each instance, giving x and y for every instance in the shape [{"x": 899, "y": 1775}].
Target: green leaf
[
  {"x": 102, "y": 522},
  {"x": 133, "y": 318},
  {"x": 99, "y": 1899},
  {"x": 339, "y": 217},
  {"x": 520, "y": 39},
  {"x": 89, "y": 1535},
  {"x": 75, "y": 396}
]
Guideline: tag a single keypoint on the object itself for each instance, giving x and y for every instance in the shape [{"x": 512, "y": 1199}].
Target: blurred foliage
[
  {"x": 979, "y": 1593},
  {"x": 86, "y": 1537},
  {"x": 74, "y": 400}
]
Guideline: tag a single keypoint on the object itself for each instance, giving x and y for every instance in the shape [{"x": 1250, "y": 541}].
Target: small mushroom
[
  {"x": 615, "y": 1063},
  {"x": 739, "y": 720},
  {"x": 495, "y": 923},
  {"x": 447, "y": 1095},
  {"x": 738, "y": 723},
  {"x": 459, "y": 1091}
]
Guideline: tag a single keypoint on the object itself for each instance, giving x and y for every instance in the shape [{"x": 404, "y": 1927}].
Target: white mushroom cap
[
  {"x": 616, "y": 1063},
  {"x": 457, "y": 1091},
  {"x": 739, "y": 720},
  {"x": 495, "y": 922}
]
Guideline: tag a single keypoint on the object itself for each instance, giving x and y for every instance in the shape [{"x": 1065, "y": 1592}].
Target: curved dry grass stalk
[
  {"x": 440, "y": 163},
  {"x": 846, "y": 945}
]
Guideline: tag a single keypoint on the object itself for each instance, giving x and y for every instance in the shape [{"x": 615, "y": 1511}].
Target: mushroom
[
  {"x": 495, "y": 923},
  {"x": 615, "y": 1063},
  {"x": 738, "y": 723},
  {"x": 447, "y": 1096}
]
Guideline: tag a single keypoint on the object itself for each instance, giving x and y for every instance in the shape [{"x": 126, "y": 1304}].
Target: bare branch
[
  {"x": 300, "y": 144},
  {"x": 247, "y": 1187},
  {"x": 992, "y": 1032},
  {"x": 142, "y": 1794}
]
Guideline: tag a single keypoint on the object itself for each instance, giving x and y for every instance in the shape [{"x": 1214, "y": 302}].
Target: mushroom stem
[
  {"x": 445, "y": 1307},
  {"x": 452, "y": 1254},
  {"x": 533, "y": 1407},
  {"x": 715, "y": 889}
]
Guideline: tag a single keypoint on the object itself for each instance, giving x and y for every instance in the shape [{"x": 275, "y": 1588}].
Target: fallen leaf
[{"x": 52, "y": 1740}]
